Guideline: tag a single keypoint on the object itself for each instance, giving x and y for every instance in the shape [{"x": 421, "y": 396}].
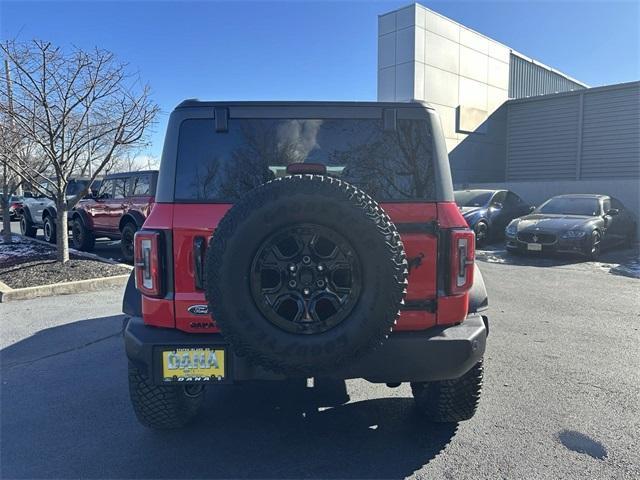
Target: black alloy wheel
[
  {"x": 481, "y": 230},
  {"x": 595, "y": 245},
  {"x": 306, "y": 279},
  {"x": 49, "y": 229}
]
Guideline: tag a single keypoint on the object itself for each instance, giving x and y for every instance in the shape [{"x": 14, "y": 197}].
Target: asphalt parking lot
[{"x": 560, "y": 397}]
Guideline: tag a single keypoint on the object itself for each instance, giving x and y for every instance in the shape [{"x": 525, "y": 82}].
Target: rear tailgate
[{"x": 198, "y": 221}]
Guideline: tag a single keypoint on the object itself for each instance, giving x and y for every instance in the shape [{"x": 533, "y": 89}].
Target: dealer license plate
[
  {"x": 193, "y": 365},
  {"x": 534, "y": 246}
]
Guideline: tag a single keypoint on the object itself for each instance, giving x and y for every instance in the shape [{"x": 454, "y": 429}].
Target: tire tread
[{"x": 448, "y": 401}]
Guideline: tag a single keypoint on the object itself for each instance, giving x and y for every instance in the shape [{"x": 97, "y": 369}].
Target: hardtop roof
[
  {"x": 193, "y": 102},
  {"x": 128, "y": 174}
]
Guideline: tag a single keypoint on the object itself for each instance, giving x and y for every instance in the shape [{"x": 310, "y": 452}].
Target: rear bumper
[{"x": 440, "y": 353}]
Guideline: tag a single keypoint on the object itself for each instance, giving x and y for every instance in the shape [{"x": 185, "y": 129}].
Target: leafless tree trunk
[
  {"x": 76, "y": 107},
  {"x": 7, "y": 150}
]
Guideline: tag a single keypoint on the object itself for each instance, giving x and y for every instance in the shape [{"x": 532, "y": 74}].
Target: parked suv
[
  {"x": 38, "y": 211},
  {"x": 296, "y": 240},
  {"x": 119, "y": 209}
]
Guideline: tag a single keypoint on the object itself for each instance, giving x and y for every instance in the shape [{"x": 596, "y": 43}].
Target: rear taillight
[
  {"x": 461, "y": 258},
  {"x": 148, "y": 263}
]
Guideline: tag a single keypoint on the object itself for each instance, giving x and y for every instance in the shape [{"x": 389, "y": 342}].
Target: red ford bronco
[
  {"x": 117, "y": 211},
  {"x": 304, "y": 239}
]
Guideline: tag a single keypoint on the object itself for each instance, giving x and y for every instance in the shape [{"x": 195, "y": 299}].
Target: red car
[
  {"x": 304, "y": 239},
  {"x": 119, "y": 209},
  {"x": 15, "y": 204}
]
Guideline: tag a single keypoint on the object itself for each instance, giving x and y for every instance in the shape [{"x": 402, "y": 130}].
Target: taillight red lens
[
  {"x": 147, "y": 263},
  {"x": 461, "y": 258}
]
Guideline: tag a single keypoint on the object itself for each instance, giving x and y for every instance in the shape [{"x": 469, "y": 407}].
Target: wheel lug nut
[
  {"x": 306, "y": 259},
  {"x": 320, "y": 283},
  {"x": 292, "y": 283},
  {"x": 306, "y": 291}
]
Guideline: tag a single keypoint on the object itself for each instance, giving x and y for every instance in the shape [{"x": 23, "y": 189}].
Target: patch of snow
[
  {"x": 20, "y": 248},
  {"x": 492, "y": 256}
]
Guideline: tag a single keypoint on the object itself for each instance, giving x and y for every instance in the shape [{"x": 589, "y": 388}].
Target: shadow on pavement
[{"x": 66, "y": 414}]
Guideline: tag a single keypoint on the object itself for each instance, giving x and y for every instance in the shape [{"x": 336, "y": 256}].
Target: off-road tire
[
  {"x": 49, "y": 229},
  {"x": 448, "y": 401},
  {"x": 27, "y": 228},
  {"x": 294, "y": 200},
  {"x": 82, "y": 237},
  {"x": 126, "y": 241},
  {"x": 161, "y": 406}
]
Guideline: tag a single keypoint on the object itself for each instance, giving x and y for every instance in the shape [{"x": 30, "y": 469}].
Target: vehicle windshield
[
  {"x": 76, "y": 186},
  {"x": 589, "y": 207},
  {"x": 472, "y": 198}
]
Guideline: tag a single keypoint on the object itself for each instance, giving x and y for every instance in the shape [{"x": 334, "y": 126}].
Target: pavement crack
[{"x": 62, "y": 352}]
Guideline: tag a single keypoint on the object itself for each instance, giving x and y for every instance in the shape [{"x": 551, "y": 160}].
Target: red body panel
[
  {"x": 104, "y": 215},
  {"x": 187, "y": 221},
  {"x": 191, "y": 221}
]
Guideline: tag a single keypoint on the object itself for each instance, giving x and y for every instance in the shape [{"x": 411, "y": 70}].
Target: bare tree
[
  {"x": 131, "y": 161},
  {"x": 81, "y": 109}
]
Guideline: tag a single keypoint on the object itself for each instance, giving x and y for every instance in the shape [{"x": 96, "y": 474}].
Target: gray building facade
[
  {"x": 510, "y": 121},
  {"x": 586, "y": 141}
]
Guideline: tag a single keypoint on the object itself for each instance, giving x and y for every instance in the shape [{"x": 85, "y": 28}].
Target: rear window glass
[
  {"x": 140, "y": 185},
  {"x": 390, "y": 165}
]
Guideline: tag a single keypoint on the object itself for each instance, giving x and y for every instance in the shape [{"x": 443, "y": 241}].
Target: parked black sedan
[
  {"x": 578, "y": 223},
  {"x": 489, "y": 211}
]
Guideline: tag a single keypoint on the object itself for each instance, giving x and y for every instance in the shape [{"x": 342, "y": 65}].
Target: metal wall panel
[
  {"x": 611, "y": 134},
  {"x": 542, "y": 139},
  {"x": 590, "y": 134},
  {"x": 527, "y": 79}
]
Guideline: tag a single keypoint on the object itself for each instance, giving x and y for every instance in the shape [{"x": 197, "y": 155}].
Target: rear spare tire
[{"x": 305, "y": 274}]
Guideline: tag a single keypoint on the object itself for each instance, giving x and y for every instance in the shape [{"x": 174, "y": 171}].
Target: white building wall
[{"x": 463, "y": 74}]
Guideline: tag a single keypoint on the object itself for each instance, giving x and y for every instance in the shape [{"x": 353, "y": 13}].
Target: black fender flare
[
  {"x": 478, "y": 298},
  {"x": 132, "y": 299},
  {"x": 50, "y": 211},
  {"x": 24, "y": 211},
  {"x": 136, "y": 217},
  {"x": 83, "y": 216}
]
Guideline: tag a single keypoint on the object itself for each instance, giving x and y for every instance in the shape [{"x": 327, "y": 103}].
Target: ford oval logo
[{"x": 199, "y": 309}]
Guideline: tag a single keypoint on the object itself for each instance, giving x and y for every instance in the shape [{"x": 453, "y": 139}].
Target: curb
[{"x": 8, "y": 294}]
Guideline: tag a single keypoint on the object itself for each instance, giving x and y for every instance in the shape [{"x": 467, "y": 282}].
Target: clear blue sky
[{"x": 313, "y": 50}]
